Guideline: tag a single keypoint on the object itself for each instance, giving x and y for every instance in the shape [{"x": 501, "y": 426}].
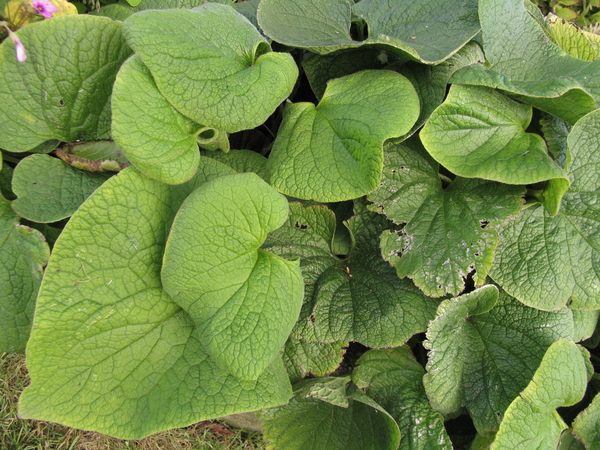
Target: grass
[{"x": 17, "y": 434}]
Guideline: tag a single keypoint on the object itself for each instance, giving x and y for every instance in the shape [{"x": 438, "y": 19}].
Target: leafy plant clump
[{"x": 205, "y": 204}]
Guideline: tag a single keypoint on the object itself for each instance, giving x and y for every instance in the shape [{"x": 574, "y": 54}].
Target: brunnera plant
[{"x": 375, "y": 223}]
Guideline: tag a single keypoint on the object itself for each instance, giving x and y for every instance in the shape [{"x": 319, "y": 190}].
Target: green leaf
[
  {"x": 246, "y": 300},
  {"x": 431, "y": 81},
  {"x": 49, "y": 190},
  {"x": 523, "y": 59},
  {"x": 310, "y": 423},
  {"x": 242, "y": 161},
  {"x": 393, "y": 379},
  {"x": 168, "y": 4},
  {"x": 359, "y": 298},
  {"x": 481, "y": 356},
  {"x": 156, "y": 138},
  {"x": 479, "y": 133},
  {"x": 23, "y": 254},
  {"x": 6, "y": 175},
  {"x": 587, "y": 424},
  {"x": 109, "y": 342},
  {"x": 546, "y": 261},
  {"x": 426, "y": 31},
  {"x": 302, "y": 357},
  {"x": 575, "y": 41},
  {"x": 449, "y": 231},
  {"x": 217, "y": 55},
  {"x": 531, "y": 420},
  {"x": 62, "y": 91},
  {"x": 333, "y": 151}
]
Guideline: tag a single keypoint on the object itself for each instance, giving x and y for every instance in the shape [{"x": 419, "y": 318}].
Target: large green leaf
[
  {"x": 244, "y": 301},
  {"x": 482, "y": 355},
  {"x": 479, "y": 133},
  {"x": 546, "y": 261},
  {"x": 23, "y": 254},
  {"x": 333, "y": 151},
  {"x": 393, "y": 379},
  {"x": 49, "y": 190},
  {"x": 522, "y": 59},
  {"x": 450, "y": 231},
  {"x": 110, "y": 351},
  {"x": 156, "y": 138},
  {"x": 427, "y": 31},
  {"x": 359, "y": 298},
  {"x": 531, "y": 420},
  {"x": 212, "y": 65},
  {"x": 309, "y": 423},
  {"x": 62, "y": 91}
]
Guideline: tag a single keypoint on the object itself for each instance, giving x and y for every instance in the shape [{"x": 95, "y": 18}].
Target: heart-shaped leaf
[
  {"x": 212, "y": 65},
  {"x": 62, "y": 91},
  {"x": 333, "y": 151},
  {"x": 243, "y": 300},
  {"x": 128, "y": 362},
  {"x": 479, "y": 133}
]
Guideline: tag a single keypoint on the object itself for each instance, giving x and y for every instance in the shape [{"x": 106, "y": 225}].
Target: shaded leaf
[{"x": 49, "y": 190}]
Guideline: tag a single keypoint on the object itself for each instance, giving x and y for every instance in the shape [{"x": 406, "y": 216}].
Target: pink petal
[{"x": 20, "y": 50}]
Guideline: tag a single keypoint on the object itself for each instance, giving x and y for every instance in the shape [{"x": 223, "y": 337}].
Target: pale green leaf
[
  {"x": 156, "y": 138},
  {"x": 333, "y": 151},
  {"x": 481, "y": 356},
  {"x": 243, "y": 300},
  {"x": 23, "y": 255},
  {"x": 480, "y": 133},
  {"x": 328, "y": 389},
  {"x": 109, "y": 342},
  {"x": 310, "y": 423},
  {"x": 531, "y": 420},
  {"x": 523, "y": 59},
  {"x": 393, "y": 379},
  {"x": 62, "y": 91},
  {"x": 48, "y": 190},
  {"x": 546, "y": 261},
  {"x": 450, "y": 231},
  {"x": 215, "y": 53}
]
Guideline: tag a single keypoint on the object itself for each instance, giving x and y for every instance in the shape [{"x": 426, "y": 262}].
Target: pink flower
[
  {"x": 44, "y": 7},
  {"x": 19, "y": 47}
]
